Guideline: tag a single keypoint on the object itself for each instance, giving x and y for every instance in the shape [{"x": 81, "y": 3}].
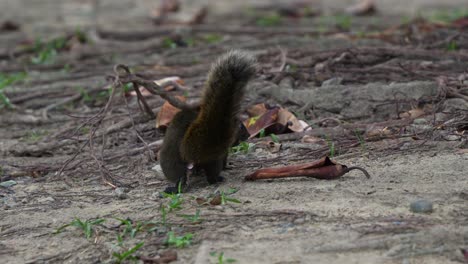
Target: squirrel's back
[{"x": 214, "y": 129}]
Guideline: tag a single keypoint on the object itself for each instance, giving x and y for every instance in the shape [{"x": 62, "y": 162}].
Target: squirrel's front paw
[{"x": 216, "y": 180}]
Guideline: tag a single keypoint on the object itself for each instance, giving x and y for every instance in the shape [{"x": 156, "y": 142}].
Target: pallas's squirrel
[{"x": 202, "y": 137}]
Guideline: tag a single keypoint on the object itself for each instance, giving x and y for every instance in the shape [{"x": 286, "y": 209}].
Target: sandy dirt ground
[{"x": 298, "y": 220}]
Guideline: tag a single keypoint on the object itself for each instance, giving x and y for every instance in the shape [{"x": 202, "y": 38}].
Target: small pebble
[
  {"x": 48, "y": 199},
  {"x": 299, "y": 221},
  {"x": 452, "y": 137},
  {"x": 8, "y": 183},
  {"x": 159, "y": 173},
  {"x": 333, "y": 81},
  {"x": 156, "y": 196},
  {"x": 420, "y": 121},
  {"x": 121, "y": 193},
  {"x": 9, "y": 202},
  {"x": 421, "y": 206}
]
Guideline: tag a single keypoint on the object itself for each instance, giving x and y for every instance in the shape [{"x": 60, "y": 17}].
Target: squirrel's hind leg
[{"x": 212, "y": 170}]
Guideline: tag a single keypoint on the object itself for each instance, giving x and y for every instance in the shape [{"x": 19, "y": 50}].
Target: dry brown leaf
[
  {"x": 287, "y": 118},
  {"x": 255, "y": 124},
  {"x": 312, "y": 140},
  {"x": 364, "y": 7},
  {"x": 167, "y": 113},
  {"x": 325, "y": 169},
  {"x": 257, "y": 110},
  {"x": 165, "y": 81},
  {"x": 413, "y": 113},
  {"x": 378, "y": 132}
]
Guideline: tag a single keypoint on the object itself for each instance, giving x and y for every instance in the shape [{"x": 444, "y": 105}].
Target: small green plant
[
  {"x": 331, "y": 147},
  {"x": 7, "y": 80},
  {"x": 169, "y": 43},
  {"x": 193, "y": 218},
  {"x": 130, "y": 227},
  {"x": 127, "y": 87},
  {"x": 274, "y": 138},
  {"x": 212, "y": 38},
  {"x": 105, "y": 94},
  {"x": 447, "y": 16},
  {"x": 243, "y": 147},
  {"x": 85, "y": 226},
  {"x": 221, "y": 259},
  {"x": 47, "y": 51},
  {"x": 34, "y": 135},
  {"x": 452, "y": 46},
  {"x": 343, "y": 22},
  {"x": 84, "y": 94},
  {"x": 175, "y": 199},
  {"x": 261, "y": 133},
  {"x": 67, "y": 68},
  {"x": 362, "y": 143},
  {"x": 179, "y": 241},
  {"x": 163, "y": 212},
  {"x": 225, "y": 199},
  {"x": 128, "y": 254},
  {"x": 269, "y": 20}
]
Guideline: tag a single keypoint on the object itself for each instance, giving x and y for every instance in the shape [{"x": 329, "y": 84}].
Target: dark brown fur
[{"x": 204, "y": 138}]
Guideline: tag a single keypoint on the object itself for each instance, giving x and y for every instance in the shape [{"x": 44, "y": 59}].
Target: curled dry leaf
[
  {"x": 274, "y": 119},
  {"x": 313, "y": 140},
  {"x": 377, "y": 132},
  {"x": 165, "y": 7},
  {"x": 257, "y": 110},
  {"x": 201, "y": 201},
  {"x": 364, "y": 7},
  {"x": 166, "y": 82},
  {"x": 324, "y": 168},
  {"x": 413, "y": 113},
  {"x": 288, "y": 119},
  {"x": 216, "y": 200},
  {"x": 255, "y": 124},
  {"x": 167, "y": 113}
]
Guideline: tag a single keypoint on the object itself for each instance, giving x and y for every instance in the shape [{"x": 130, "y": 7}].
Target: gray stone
[
  {"x": 452, "y": 137},
  {"x": 8, "y": 183},
  {"x": 421, "y": 206},
  {"x": 455, "y": 104},
  {"x": 333, "y": 81},
  {"x": 48, "y": 199},
  {"x": 420, "y": 121},
  {"x": 9, "y": 202},
  {"x": 121, "y": 193}
]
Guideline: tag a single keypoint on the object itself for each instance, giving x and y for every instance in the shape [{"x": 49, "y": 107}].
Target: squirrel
[{"x": 202, "y": 137}]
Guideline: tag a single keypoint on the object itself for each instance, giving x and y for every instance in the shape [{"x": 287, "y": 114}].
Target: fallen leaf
[
  {"x": 166, "y": 6},
  {"x": 461, "y": 22},
  {"x": 165, "y": 82},
  {"x": 288, "y": 119},
  {"x": 9, "y": 26},
  {"x": 216, "y": 200},
  {"x": 255, "y": 124},
  {"x": 199, "y": 16},
  {"x": 324, "y": 169},
  {"x": 413, "y": 113},
  {"x": 272, "y": 120},
  {"x": 167, "y": 113},
  {"x": 257, "y": 110},
  {"x": 364, "y": 7},
  {"x": 201, "y": 201},
  {"x": 313, "y": 139}
]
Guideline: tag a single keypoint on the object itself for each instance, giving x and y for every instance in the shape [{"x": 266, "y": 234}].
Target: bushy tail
[{"x": 212, "y": 133}]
